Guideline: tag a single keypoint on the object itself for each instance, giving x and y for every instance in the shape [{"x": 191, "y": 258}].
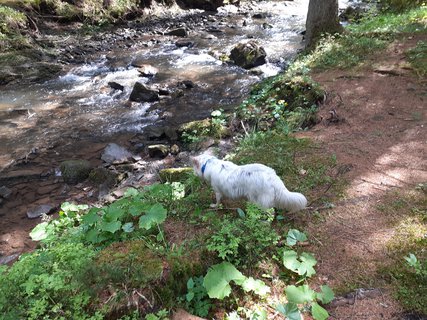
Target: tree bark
[{"x": 322, "y": 17}]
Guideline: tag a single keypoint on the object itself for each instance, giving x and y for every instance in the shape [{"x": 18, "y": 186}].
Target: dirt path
[{"x": 379, "y": 132}]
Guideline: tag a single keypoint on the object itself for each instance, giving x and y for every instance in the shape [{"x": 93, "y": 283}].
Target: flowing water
[{"x": 81, "y": 105}]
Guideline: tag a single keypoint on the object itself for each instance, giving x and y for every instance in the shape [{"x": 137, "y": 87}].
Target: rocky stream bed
[{"x": 73, "y": 99}]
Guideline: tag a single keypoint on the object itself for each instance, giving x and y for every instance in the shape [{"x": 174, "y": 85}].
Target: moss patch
[{"x": 174, "y": 174}]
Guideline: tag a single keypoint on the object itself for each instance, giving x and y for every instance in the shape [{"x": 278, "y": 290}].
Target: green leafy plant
[
  {"x": 288, "y": 101},
  {"x": 244, "y": 240},
  {"x": 47, "y": 284},
  {"x": 302, "y": 298},
  {"x": 159, "y": 315},
  {"x": 217, "y": 281},
  {"x": 70, "y": 216},
  {"x": 302, "y": 264},
  {"x": 196, "y": 300},
  {"x": 418, "y": 58},
  {"x": 419, "y": 267}
]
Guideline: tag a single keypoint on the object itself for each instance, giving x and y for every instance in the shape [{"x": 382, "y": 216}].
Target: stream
[
  {"x": 81, "y": 104},
  {"x": 76, "y": 114}
]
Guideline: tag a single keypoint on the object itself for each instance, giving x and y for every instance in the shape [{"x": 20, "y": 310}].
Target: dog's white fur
[{"x": 256, "y": 183}]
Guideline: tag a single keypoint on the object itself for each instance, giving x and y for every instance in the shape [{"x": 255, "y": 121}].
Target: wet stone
[
  {"x": 142, "y": 93},
  {"x": 158, "y": 151},
  {"x": 75, "y": 171},
  {"x": 184, "y": 43},
  {"x": 46, "y": 189},
  {"x": 8, "y": 259},
  {"x": 5, "y": 192},
  {"x": 179, "y": 32},
  {"x": 39, "y": 211},
  {"x": 116, "y": 86}
]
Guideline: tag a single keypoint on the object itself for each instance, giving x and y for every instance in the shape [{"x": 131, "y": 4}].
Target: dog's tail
[{"x": 292, "y": 201}]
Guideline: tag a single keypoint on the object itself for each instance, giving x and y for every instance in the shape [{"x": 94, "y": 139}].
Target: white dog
[{"x": 256, "y": 183}]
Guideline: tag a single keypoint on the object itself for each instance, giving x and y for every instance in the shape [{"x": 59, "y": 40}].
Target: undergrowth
[{"x": 408, "y": 273}]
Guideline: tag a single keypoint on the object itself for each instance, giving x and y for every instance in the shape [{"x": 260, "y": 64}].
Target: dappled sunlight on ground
[{"x": 381, "y": 138}]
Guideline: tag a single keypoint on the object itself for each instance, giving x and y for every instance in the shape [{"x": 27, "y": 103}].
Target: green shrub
[
  {"x": 287, "y": 100},
  {"x": 47, "y": 284},
  {"x": 400, "y": 5},
  {"x": 244, "y": 240},
  {"x": 418, "y": 58}
]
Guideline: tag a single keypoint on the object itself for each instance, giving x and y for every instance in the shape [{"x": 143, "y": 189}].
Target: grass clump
[
  {"x": 418, "y": 58},
  {"x": 12, "y": 25},
  {"x": 296, "y": 161},
  {"x": 361, "y": 40},
  {"x": 408, "y": 273}
]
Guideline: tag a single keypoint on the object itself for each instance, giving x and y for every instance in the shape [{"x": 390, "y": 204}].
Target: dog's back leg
[{"x": 218, "y": 196}]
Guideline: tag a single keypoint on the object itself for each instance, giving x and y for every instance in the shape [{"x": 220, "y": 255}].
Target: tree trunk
[{"x": 322, "y": 17}]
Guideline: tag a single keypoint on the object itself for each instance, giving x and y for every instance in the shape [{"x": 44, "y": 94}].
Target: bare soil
[{"x": 374, "y": 121}]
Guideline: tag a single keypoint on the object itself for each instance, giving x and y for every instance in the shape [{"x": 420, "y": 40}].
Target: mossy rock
[
  {"x": 199, "y": 126},
  {"x": 129, "y": 262},
  {"x": 174, "y": 174},
  {"x": 99, "y": 176},
  {"x": 248, "y": 55},
  {"x": 131, "y": 266},
  {"x": 300, "y": 91},
  {"x": 75, "y": 171},
  {"x": 194, "y": 131}
]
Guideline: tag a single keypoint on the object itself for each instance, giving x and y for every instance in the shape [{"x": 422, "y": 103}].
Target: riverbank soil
[{"x": 374, "y": 121}]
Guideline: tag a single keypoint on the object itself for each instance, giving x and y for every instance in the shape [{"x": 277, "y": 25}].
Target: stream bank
[{"x": 80, "y": 110}]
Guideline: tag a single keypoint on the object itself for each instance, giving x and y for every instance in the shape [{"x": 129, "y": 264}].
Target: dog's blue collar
[{"x": 205, "y": 164}]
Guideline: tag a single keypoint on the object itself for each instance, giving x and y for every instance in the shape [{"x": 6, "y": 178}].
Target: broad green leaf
[
  {"x": 300, "y": 295},
  {"x": 241, "y": 213},
  {"x": 137, "y": 208},
  {"x": 113, "y": 213},
  {"x": 67, "y": 207},
  {"x": 91, "y": 217},
  {"x": 257, "y": 286},
  {"x": 156, "y": 215},
  {"x": 92, "y": 236},
  {"x": 39, "y": 232},
  {"x": 326, "y": 295},
  {"x": 216, "y": 281},
  {"x": 130, "y": 192},
  {"x": 290, "y": 311},
  {"x": 190, "y": 283},
  {"x": 412, "y": 260},
  {"x": 111, "y": 227},
  {"x": 307, "y": 264},
  {"x": 318, "y": 312},
  {"x": 290, "y": 260},
  {"x": 189, "y": 296},
  {"x": 294, "y": 236},
  {"x": 128, "y": 227}
]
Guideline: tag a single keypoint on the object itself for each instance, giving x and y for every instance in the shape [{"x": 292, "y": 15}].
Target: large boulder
[
  {"x": 209, "y": 5},
  {"x": 75, "y": 171},
  {"x": 248, "y": 55},
  {"x": 142, "y": 93}
]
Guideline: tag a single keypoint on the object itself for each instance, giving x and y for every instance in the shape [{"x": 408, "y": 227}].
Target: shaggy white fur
[{"x": 256, "y": 183}]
